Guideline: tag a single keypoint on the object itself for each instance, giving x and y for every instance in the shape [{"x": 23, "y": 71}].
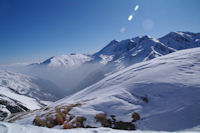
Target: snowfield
[
  {"x": 163, "y": 91},
  {"x": 11, "y": 128}
]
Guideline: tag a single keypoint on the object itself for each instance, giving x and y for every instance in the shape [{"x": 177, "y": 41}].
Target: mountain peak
[
  {"x": 181, "y": 40},
  {"x": 66, "y": 60},
  {"x": 114, "y": 42}
]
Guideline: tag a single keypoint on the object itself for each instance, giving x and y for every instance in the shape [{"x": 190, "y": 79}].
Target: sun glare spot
[
  {"x": 130, "y": 17},
  {"x": 136, "y": 7}
]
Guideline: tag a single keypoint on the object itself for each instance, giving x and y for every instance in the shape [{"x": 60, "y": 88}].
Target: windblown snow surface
[
  {"x": 171, "y": 84},
  {"x": 16, "y": 128}
]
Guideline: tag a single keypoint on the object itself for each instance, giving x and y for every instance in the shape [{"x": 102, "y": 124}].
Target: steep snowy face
[
  {"x": 109, "y": 49},
  {"x": 127, "y": 52},
  {"x": 146, "y": 48},
  {"x": 66, "y": 60},
  {"x": 114, "y": 50},
  {"x": 159, "y": 94},
  {"x": 181, "y": 40},
  {"x": 117, "y": 48}
]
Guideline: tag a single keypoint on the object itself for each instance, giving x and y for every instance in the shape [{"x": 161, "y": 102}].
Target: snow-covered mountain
[
  {"x": 19, "y": 92},
  {"x": 87, "y": 69},
  {"x": 158, "y": 94},
  {"x": 120, "y": 54},
  {"x": 65, "y": 60},
  {"x": 181, "y": 40},
  {"x": 129, "y": 51}
]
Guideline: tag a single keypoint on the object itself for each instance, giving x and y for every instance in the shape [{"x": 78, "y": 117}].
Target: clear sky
[{"x": 32, "y": 30}]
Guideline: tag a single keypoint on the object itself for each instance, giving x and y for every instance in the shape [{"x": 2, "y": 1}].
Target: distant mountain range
[
  {"x": 133, "y": 83},
  {"x": 130, "y": 51},
  {"x": 112, "y": 58}
]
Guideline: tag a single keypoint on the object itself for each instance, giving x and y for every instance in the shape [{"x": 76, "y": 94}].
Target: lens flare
[
  {"x": 130, "y": 17},
  {"x": 136, "y": 7},
  {"x": 123, "y": 29}
]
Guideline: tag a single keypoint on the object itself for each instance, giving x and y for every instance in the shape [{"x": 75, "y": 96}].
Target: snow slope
[
  {"x": 10, "y": 128},
  {"x": 164, "y": 91},
  {"x": 19, "y": 93},
  {"x": 28, "y": 102},
  {"x": 29, "y": 86},
  {"x": 12, "y": 102}
]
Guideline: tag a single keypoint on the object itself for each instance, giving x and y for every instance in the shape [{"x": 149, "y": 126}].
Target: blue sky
[{"x": 33, "y": 30}]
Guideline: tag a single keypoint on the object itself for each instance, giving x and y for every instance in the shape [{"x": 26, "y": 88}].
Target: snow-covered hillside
[
  {"x": 12, "y": 102},
  {"x": 159, "y": 94},
  {"x": 29, "y": 86},
  {"x": 19, "y": 93},
  {"x": 10, "y": 128}
]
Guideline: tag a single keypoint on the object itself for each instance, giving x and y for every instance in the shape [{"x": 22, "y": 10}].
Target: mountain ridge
[
  {"x": 115, "y": 56},
  {"x": 116, "y": 50}
]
